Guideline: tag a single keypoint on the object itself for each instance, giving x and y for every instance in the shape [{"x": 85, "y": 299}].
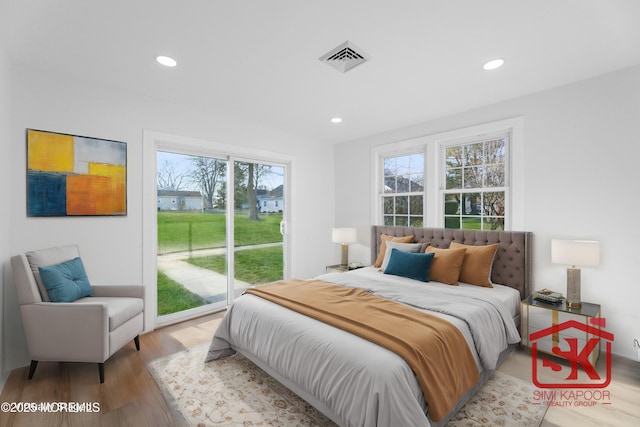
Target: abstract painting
[{"x": 69, "y": 175}]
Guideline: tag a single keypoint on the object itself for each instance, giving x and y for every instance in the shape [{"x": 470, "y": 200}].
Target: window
[
  {"x": 469, "y": 178},
  {"x": 403, "y": 199},
  {"x": 475, "y": 190}
]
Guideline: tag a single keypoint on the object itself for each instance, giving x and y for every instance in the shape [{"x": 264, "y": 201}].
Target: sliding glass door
[
  {"x": 192, "y": 224},
  {"x": 259, "y": 205},
  {"x": 206, "y": 205}
]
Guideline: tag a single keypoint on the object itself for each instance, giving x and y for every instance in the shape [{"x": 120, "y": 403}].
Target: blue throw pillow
[
  {"x": 407, "y": 264},
  {"x": 66, "y": 282}
]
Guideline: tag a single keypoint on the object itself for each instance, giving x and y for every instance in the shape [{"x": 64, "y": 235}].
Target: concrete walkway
[{"x": 210, "y": 285}]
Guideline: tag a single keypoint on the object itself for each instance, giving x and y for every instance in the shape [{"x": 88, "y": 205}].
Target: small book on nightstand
[{"x": 551, "y": 297}]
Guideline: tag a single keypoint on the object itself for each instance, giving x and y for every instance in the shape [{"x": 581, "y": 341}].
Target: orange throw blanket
[{"x": 435, "y": 350}]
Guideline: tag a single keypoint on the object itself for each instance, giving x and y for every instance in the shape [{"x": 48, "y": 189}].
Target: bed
[{"x": 356, "y": 382}]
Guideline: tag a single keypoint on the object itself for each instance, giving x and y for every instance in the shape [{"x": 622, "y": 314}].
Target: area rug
[
  {"x": 502, "y": 401},
  {"x": 235, "y": 392}
]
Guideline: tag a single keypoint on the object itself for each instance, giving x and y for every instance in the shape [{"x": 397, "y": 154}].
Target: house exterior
[
  {"x": 272, "y": 201},
  {"x": 175, "y": 200}
]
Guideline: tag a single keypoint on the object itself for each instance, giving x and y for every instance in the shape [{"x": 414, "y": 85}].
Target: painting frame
[{"x": 75, "y": 176}]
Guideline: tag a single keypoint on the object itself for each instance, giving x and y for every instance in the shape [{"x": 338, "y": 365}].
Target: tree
[
  {"x": 252, "y": 197},
  {"x": 168, "y": 177},
  {"x": 222, "y": 195},
  {"x": 208, "y": 173},
  {"x": 248, "y": 177},
  {"x": 240, "y": 185}
]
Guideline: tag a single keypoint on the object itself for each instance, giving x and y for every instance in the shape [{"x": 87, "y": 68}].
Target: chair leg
[
  {"x": 137, "y": 341},
  {"x": 32, "y": 368},
  {"x": 101, "y": 371}
]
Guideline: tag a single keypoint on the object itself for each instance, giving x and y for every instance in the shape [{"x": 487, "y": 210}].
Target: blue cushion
[
  {"x": 407, "y": 264},
  {"x": 66, "y": 282}
]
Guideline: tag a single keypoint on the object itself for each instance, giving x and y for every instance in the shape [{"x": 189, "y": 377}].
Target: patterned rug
[{"x": 235, "y": 392}]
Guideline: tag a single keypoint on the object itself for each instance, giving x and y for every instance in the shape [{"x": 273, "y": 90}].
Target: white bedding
[
  {"x": 353, "y": 381},
  {"x": 508, "y": 296}
]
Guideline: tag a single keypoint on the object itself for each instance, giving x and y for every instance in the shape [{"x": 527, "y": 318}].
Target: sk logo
[{"x": 578, "y": 354}]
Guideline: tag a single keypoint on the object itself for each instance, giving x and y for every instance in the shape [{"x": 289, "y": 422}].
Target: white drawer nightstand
[{"x": 537, "y": 316}]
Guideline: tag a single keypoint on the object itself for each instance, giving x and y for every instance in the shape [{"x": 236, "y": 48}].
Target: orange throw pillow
[
  {"x": 476, "y": 267},
  {"x": 446, "y": 265},
  {"x": 383, "y": 246}
]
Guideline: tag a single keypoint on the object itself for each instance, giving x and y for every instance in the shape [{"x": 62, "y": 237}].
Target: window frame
[
  {"x": 407, "y": 194},
  {"x": 433, "y": 147},
  {"x": 506, "y": 188}
]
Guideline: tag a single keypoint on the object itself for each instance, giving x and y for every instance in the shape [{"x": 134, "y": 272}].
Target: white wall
[
  {"x": 581, "y": 167},
  {"x": 5, "y": 165},
  {"x": 112, "y": 247}
]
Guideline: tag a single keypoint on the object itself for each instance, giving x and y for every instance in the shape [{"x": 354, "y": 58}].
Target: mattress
[{"x": 353, "y": 381}]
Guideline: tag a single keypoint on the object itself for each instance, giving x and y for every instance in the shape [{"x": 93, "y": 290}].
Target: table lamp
[
  {"x": 583, "y": 253},
  {"x": 344, "y": 236}
]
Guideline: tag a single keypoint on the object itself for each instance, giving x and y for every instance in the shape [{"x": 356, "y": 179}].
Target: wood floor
[{"x": 131, "y": 397}]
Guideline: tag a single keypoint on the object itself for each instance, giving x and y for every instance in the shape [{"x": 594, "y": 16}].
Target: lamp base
[
  {"x": 573, "y": 288},
  {"x": 345, "y": 255}
]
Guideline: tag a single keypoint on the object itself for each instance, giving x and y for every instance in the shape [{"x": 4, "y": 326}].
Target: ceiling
[{"x": 257, "y": 60}]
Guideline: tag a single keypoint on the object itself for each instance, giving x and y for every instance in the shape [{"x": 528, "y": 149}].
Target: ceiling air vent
[{"x": 344, "y": 57}]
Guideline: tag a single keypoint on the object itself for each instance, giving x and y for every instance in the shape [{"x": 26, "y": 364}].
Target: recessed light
[
  {"x": 166, "y": 61},
  {"x": 492, "y": 65},
  {"x": 336, "y": 120}
]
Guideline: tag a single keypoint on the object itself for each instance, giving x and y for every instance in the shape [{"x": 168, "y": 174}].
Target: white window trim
[
  {"x": 470, "y": 140},
  {"x": 434, "y": 174},
  {"x": 396, "y": 149}
]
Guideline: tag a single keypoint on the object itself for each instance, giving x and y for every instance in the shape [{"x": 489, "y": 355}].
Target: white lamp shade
[
  {"x": 344, "y": 235},
  {"x": 581, "y": 253}
]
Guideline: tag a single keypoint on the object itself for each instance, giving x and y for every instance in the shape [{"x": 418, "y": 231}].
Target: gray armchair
[{"x": 89, "y": 329}]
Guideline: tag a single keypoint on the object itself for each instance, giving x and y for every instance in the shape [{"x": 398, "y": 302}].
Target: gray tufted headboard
[{"x": 511, "y": 265}]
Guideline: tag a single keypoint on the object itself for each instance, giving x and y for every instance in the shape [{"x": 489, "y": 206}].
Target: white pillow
[{"x": 404, "y": 247}]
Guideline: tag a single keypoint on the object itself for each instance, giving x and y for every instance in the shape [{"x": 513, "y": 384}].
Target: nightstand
[
  {"x": 339, "y": 268},
  {"x": 537, "y": 316}
]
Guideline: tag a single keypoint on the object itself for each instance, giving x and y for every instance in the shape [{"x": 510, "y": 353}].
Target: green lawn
[
  {"x": 253, "y": 266},
  {"x": 182, "y": 231},
  {"x": 173, "y": 297},
  {"x": 185, "y": 231},
  {"x": 468, "y": 223}
]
